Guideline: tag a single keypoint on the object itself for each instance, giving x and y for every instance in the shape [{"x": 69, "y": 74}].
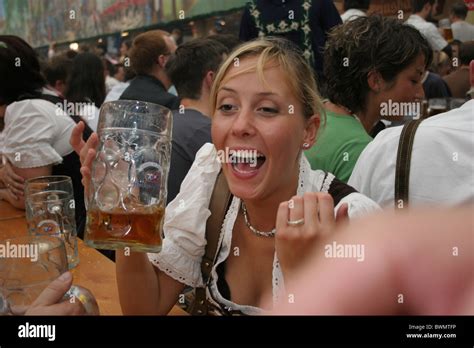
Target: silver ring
[{"x": 295, "y": 222}]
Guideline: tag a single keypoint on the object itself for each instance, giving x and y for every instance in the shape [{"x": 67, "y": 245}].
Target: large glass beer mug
[
  {"x": 50, "y": 210},
  {"x": 127, "y": 196}
]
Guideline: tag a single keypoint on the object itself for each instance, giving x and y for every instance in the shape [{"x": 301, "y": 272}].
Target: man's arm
[{"x": 437, "y": 42}]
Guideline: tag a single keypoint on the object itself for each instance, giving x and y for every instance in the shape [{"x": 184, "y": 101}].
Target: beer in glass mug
[{"x": 128, "y": 189}]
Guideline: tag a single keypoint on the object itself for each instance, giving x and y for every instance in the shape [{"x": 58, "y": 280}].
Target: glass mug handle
[
  {"x": 85, "y": 297},
  {"x": 81, "y": 294}
]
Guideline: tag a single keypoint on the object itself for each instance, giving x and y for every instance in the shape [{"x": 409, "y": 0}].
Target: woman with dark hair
[
  {"x": 16, "y": 53},
  {"x": 374, "y": 66},
  {"x": 35, "y": 132},
  {"x": 86, "y": 87}
]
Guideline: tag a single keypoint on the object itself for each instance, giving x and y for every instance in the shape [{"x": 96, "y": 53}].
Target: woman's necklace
[{"x": 253, "y": 229}]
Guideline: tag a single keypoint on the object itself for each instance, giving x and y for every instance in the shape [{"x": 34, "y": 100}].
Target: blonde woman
[{"x": 264, "y": 99}]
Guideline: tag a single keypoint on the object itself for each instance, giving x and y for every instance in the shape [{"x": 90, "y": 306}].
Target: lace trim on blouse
[{"x": 174, "y": 256}]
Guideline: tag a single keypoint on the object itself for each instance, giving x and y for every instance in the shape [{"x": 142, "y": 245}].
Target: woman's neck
[
  {"x": 336, "y": 108},
  {"x": 262, "y": 213},
  {"x": 367, "y": 118},
  {"x": 370, "y": 116}
]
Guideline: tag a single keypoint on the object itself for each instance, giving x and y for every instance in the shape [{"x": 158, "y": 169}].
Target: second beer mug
[{"x": 127, "y": 198}]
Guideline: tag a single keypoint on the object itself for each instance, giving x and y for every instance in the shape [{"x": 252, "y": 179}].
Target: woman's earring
[{"x": 305, "y": 145}]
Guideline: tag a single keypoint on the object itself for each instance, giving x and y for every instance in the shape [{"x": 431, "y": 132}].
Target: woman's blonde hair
[{"x": 283, "y": 53}]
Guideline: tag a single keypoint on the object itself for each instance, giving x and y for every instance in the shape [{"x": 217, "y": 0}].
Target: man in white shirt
[
  {"x": 442, "y": 163},
  {"x": 422, "y": 10},
  {"x": 354, "y": 9},
  {"x": 462, "y": 30}
]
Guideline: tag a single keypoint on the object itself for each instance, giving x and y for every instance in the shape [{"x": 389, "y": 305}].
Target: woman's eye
[
  {"x": 268, "y": 110},
  {"x": 226, "y": 107}
]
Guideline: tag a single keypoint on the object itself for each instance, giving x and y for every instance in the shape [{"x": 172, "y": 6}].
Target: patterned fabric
[
  {"x": 304, "y": 22},
  {"x": 286, "y": 26}
]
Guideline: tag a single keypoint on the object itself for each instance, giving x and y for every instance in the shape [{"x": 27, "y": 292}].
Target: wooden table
[
  {"x": 94, "y": 271},
  {"x": 8, "y": 212}
]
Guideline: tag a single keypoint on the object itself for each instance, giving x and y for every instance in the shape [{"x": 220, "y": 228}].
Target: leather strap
[
  {"x": 402, "y": 172},
  {"x": 338, "y": 190},
  {"x": 219, "y": 204}
]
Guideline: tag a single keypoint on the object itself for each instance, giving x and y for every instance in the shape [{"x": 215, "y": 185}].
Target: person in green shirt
[
  {"x": 374, "y": 66},
  {"x": 339, "y": 144}
]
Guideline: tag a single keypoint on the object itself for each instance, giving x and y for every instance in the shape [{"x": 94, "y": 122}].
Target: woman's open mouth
[{"x": 246, "y": 163}]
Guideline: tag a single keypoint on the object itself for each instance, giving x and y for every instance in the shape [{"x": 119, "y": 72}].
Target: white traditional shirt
[
  {"x": 185, "y": 225},
  {"x": 429, "y": 31},
  {"x": 36, "y": 133},
  {"x": 442, "y": 162},
  {"x": 463, "y": 31}
]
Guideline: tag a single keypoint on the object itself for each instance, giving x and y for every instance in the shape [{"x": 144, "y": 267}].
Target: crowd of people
[{"x": 322, "y": 100}]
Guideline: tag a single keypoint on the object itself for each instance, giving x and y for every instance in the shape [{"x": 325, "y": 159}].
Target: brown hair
[
  {"x": 299, "y": 75},
  {"x": 366, "y": 44},
  {"x": 18, "y": 79},
  {"x": 190, "y": 64},
  {"x": 146, "y": 48}
]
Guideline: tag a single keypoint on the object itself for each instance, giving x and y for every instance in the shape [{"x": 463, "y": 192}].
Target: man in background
[
  {"x": 148, "y": 56},
  {"x": 56, "y": 72},
  {"x": 192, "y": 71},
  {"x": 462, "y": 30},
  {"x": 423, "y": 10}
]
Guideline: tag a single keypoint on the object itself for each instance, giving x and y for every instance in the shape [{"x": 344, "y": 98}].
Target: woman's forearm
[
  {"x": 144, "y": 290},
  {"x": 137, "y": 284}
]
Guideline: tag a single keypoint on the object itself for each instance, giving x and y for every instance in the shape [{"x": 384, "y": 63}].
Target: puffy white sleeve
[
  {"x": 28, "y": 136},
  {"x": 185, "y": 221},
  {"x": 359, "y": 205}
]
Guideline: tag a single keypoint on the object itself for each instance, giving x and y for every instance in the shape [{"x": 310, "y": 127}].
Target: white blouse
[
  {"x": 185, "y": 225},
  {"x": 36, "y": 133}
]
